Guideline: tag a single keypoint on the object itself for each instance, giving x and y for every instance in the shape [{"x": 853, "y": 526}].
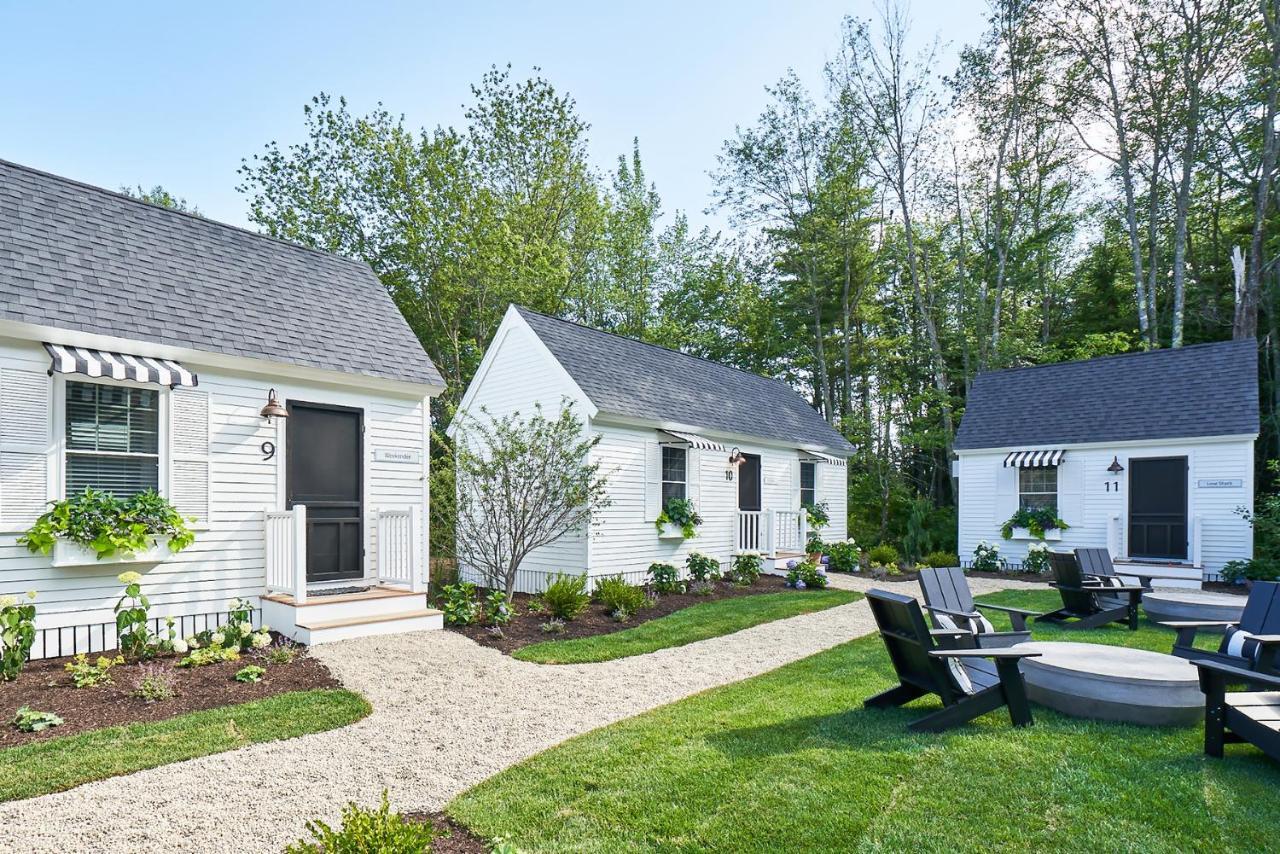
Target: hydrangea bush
[
  {"x": 1037, "y": 559},
  {"x": 986, "y": 557}
]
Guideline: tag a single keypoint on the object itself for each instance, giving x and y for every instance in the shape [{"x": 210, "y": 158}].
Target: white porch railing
[
  {"x": 286, "y": 552},
  {"x": 771, "y": 532},
  {"x": 399, "y": 537}
]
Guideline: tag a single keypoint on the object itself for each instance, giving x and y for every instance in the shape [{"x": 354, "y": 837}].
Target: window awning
[
  {"x": 693, "y": 440},
  {"x": 117, "y": 366},
  {"x": 1033, "y": 459},
  {"x": 816, "y": 457}
]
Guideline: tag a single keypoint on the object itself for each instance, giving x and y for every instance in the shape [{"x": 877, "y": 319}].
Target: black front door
[
  {"x": 749, "y": 483},
  {"x": 1158, "y": 508},
  {"x": 323, "y": 471}
]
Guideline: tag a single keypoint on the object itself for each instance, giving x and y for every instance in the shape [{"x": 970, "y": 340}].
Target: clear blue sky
[{"x": 177, "y": 93}]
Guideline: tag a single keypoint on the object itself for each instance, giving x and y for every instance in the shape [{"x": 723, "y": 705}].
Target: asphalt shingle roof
[
  {"x": 78, "y": 257},
  {"x": 625, "y": 377},
  {"x": 1202, "y": 390}
]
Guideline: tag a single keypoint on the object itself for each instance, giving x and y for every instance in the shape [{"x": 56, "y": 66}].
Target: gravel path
[{"x": 447, "y": 714}]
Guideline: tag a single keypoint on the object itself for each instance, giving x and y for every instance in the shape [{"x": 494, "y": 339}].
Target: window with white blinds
[{"x": 113, "y": 438}]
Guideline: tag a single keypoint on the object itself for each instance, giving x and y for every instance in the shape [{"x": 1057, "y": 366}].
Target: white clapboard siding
[
  {"x": 189, "y": 452},
  {"x": 833, "y": 490},
  {"x": 26, "y": 416}
]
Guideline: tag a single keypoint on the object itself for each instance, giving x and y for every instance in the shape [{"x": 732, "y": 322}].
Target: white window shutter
[
  {"x": 693, "y": 476},
  {"x": 1071, "y": 491},
  {"x": 26, "y": 420},
  {"x": 1006, "y": 503},
  {"x": 189, "y": 452},
  {"x": 652, "y": 480},
  {"x": 795, "y": 483}
]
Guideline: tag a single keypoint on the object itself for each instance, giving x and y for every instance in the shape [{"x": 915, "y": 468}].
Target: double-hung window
[
  {"x": 1037, "y": 487},
  {"x": 112, "y": 438},
  {"x": 808, "y": 479},
  {"x": 674, "y": 473}
]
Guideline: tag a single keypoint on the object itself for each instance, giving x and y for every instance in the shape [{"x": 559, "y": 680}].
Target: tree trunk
[{"x": 1245, "y": 322}]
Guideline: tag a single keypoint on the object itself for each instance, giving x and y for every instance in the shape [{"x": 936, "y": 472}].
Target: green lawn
[
  {"x": 41, "y": 767},
  {"x": 790, "y": 761},
  {"x": 698, "y": 622}
]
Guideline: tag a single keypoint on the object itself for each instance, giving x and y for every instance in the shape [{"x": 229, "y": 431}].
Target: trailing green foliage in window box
[
  {"x": 680, "y": 512},
  {"x": 1037, "y": 520},
  {"x": 110, "y": 527}
]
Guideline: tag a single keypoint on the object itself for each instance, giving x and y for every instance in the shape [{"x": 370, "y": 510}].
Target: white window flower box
[
  {"x": 1051, "y": 536},
  {"x": 68, "y": 553},
  {"x": 670, "y": 531}
]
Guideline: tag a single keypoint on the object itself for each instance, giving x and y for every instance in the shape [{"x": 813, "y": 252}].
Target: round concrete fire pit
[
  {"x": 1175, "y": 605},
  {"x": 1113, "y": 683}
]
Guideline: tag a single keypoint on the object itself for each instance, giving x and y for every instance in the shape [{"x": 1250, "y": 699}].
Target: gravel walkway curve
[{"x": 447, "y": 714}]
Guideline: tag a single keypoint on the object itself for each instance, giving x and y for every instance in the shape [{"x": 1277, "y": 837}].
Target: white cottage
[
  {"x": 1148, "y": 454},
  {"x": 669, "y": 425},
  {"x": 139, "y": 348}
]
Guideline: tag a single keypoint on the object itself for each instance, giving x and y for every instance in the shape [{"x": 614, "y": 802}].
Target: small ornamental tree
[{"x": 522, "y": 484}]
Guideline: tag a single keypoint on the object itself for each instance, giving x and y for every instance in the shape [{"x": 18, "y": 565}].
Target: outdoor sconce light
[
  {"x": 273, "y": 409},
  {"x": 735, "y": 459},
  {"x": 1115, "y": 468}
]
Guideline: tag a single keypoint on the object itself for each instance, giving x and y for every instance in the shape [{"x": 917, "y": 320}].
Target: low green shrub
[
  {"x": 554, "y": 626},
  {"x": 365, "y": 830},
  {"x": 745, "y": 570},
  {"x": 154, "y": 684},
  {"x": 884, "y": 554},
  {"x": 458, "y": 602},
  {"x": 702, "y": 567},
  {"x": 814, "y": 545},
  {"x": 665, "y": 578},
  {"x": 843, "y": 557},
  {"x": 206, "y": 655},
  {"x": 250, "y": 673},
  {"x": 566, "y": 596},
  {"x": 619, "y": 596},
  {"x": 1258, "y": 569},
  {"x": 497, "y": 608},
  {"x": 283, "y": 651},
  {"x": 941, "y": 560},
  {"x": 87, "y": 674},
  {"x": 17, "y": 634},
  {"x": 30, "y": 720}
]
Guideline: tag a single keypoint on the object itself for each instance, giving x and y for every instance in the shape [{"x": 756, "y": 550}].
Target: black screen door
[
  {"x": 749, "y": 483},
  {"x": 323, "y": 471},
  {"x": 1158, "y": 508}
]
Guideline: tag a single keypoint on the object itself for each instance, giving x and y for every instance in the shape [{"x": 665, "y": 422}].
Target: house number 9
[{"x": 268, "y": 450}]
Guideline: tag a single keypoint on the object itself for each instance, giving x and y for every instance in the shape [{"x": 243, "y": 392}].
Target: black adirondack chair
[
  {"x": 924, "y": 668},
  {"x": 1097, "y": 562},
  {"x": 1084, "y": 604},
  {"x": 948, "y": 600},
  {"x": 1260, "y": 618},
  {"x": 1237, "y": 716}
]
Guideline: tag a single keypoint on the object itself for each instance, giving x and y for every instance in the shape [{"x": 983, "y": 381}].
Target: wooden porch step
[
  {"x": 364, "y": 595},
  {"x": 319, "y": 625}
]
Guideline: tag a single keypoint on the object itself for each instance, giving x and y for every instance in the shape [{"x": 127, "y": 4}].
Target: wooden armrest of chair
[
  {"x": 993, "y": 652},
  {"x": 937, "y": 609},
  {"x": 1221, "y": 672},
  {"x": 1006, "y": 609},
  {"x": 949, "y": 632},
  {"x": 1195, "y": 624},
  {"x": 1267, "y": 640}
]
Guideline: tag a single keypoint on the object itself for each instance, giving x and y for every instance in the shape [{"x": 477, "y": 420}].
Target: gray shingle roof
[
  {"x": 1202, "y": 390},
  {"x": 625, "y": 377},
  {"x": 78, "y": 257}
]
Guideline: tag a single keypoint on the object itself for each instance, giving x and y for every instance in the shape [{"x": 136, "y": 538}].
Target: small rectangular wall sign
[
  {"x": 1219, "y": 483},
  {"x": 406, "y": 456}
]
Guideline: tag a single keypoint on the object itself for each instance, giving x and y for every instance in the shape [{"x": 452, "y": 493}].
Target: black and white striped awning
[
  {"x": 117, "y": 366},
  {"x": 818, "y": 457},
  {"x": 693, "y": 440},
  {"x": 1033, "y": 459}
]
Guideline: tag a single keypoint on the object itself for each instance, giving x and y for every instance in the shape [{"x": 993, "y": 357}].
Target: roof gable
[
  {"x": 78, "y": 257},
  {"x": 1188, "y": 392},
  {"x": 630, "y": 378}
]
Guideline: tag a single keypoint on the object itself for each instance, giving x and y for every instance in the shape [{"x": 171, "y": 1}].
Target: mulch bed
[
  {"x": 45, "y": 686},
  {"x": 451, "y": 837},
  {"x": 1225, "y": 587},
  {"x": 525, "y": 628}
]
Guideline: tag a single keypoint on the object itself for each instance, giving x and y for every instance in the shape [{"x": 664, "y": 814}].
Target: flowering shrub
[
  {"x": 817, "y": 514},
  {"x": 283, "y": 651},
  {"x": 805, "y": 574},
  {"x": 458, "y": 602},
  {"x": 665, "y": 578},
  {"x": 814, "y": 544},
  {"x": 554, "y": 626},
  {"x": 153, "y": 684},
  {"x": 986, "y": 557},
  {"x": 108, "y": 525},
  {"x": 844, "y": 556},
  {"x": 497, "y": 608},
  {"x": 1037, "y": 559},
  {"x": 745, "y": 570},
  {"x": 702, "y": 567},
  {"x": 133, "y": 636},
  {"x": 86, "y": 673},
  {"x": 702, "y": 588},
  {"x": 17, "y": 634}
]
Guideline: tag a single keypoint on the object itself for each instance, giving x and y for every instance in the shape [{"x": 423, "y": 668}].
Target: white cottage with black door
[
  {"x": 271, "y": 392},
  {"x": 747, "y": 450},
  {"x": 1148, "y": 454}
]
